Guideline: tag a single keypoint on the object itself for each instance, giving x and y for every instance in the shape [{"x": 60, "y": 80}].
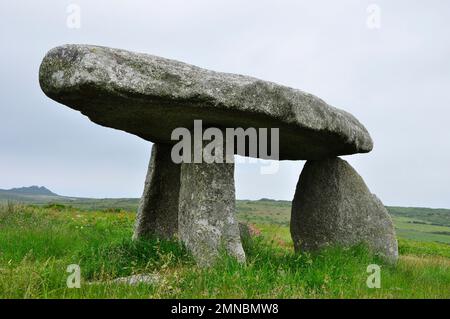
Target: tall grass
[{"x": 38, "y": 243}]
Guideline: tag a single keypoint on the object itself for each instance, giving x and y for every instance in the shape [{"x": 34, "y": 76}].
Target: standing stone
[
  {"x": 206, "y": 216},
  {"x": 158, "y": 208},
  {"x": 333, "y": 206},
  {"x": 244, "y": 231}
]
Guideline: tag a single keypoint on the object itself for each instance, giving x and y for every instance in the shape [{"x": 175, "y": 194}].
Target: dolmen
[{"x": 189, "y": 190}]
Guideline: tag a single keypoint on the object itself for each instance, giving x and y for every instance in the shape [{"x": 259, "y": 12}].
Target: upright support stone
[
  {"x": 158, "y": 208},
  {"x": 333, "y": 206},
  {"x": 207, "y": 211}
]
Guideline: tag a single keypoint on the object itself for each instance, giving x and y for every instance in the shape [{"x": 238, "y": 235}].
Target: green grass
[
  {"x": 427, "y": 215},
  {"x": 37, "y": 243}
]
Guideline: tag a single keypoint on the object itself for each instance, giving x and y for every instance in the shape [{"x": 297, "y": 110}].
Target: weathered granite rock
[
  {"x": 150, "y": 96},
  {"x": 332, "y": 205},
  {"x": 133, "y": 280},
  {"x": 244, "y": 231},
  {"x": 248, "y": 231},
  {"x": 207, "y": 223},
  {"x": 158, "y": 208}
]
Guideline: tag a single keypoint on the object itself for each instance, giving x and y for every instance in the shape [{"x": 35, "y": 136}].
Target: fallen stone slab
[
  {"x": 133, "y": 280},
  {"x": 333, "y": 206},
  {"x": 149, "y": 279},
  {"x": 150, "y": 96},
  {"x": 248, "y": 231}
]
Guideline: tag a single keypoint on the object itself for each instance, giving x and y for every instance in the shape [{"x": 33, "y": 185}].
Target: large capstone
[
  {"x": 150, "y": 96},
  {"x": 158, "y": 209},
  {"x": 333, "y": 206},
  {"x": 207, "y": 223}
]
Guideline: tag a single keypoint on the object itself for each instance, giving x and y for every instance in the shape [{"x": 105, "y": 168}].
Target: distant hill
[
  {"x": 31, "y": 194},
  {"x": 40, "y": 195},
  {"x": 31, "y": 190}
]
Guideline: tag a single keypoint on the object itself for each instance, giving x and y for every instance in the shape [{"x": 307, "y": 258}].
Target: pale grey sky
[{"x": 395, "y": 80}]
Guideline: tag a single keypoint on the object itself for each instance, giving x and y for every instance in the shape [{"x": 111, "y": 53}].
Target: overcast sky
[{"x": 395, "y": 79}]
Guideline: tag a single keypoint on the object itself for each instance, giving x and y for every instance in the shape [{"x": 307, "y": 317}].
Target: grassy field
[{"x": 37, "y": 243}]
